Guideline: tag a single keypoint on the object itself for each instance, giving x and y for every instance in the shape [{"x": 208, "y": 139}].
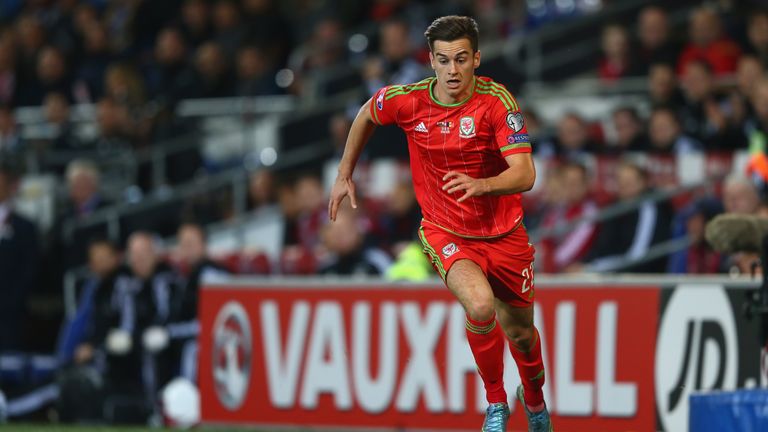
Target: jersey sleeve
[
  {"x": 510, "y": 132},
  {"x": 384, "y": 110}
]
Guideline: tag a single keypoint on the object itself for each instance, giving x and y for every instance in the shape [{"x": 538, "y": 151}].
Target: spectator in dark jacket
[
  {"x": 625, "y": 240},
  {"x": 18, "y": 261}
]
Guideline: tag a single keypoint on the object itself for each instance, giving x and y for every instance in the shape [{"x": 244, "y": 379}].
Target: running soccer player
[{"x": 470, "y": 159}]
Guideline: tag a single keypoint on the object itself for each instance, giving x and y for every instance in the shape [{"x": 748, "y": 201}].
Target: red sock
[
  {"x": 487, "y": 343},
  {"x": 531, "y": 369}
]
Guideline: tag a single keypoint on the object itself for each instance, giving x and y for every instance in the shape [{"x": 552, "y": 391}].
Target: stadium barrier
[{"x": 623, "y": 353}]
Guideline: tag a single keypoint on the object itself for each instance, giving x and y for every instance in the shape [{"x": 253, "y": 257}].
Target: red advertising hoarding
[{"x": 397, "y": 357}]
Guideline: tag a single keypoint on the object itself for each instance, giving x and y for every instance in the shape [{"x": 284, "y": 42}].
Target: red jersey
[{"x": 472, "y": 137}]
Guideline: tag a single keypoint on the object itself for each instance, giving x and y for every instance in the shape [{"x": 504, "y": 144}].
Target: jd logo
[{"x": 697, "y": 349}]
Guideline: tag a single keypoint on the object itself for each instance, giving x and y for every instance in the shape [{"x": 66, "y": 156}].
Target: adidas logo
[{"x": 421, "y": 128}]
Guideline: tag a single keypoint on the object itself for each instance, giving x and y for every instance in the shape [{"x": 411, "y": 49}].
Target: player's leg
[
  {"x": 467, "y": 282},
  {"x": 525, "y": 346}
]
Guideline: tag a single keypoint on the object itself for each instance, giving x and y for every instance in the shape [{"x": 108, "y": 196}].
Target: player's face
[{"x": 454, "y": 63}]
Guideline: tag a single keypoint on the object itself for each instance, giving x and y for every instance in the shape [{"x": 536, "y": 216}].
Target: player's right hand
[{"x": 342, "y": 187}]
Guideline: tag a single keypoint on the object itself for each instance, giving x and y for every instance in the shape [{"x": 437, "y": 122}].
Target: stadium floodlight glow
[
  {"x": 358, "y": 43},
  {"x": 284, "y": 78},
  {"x": 268, "y": 156}
]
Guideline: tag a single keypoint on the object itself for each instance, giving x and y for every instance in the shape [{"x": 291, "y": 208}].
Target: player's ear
[
  {"x": 476, "y": 59},
  {"x": 432, "y": 60}
]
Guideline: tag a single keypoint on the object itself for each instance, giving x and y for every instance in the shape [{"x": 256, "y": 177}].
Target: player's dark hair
[{"x": 452, "y": 27}]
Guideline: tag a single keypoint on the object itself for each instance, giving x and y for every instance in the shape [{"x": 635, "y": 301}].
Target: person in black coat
[
  {"x": 629, "y": 237},
  {"x": 184, "y": 327},
  {"x": 18, "y": 261}
]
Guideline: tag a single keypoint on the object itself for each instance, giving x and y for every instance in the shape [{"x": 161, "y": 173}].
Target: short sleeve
[
  {"x": 510, "y": 132},
  {"x": 383, "y": 109}
]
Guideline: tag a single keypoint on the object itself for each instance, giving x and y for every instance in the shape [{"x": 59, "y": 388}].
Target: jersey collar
[{"x": 455, "y": 104}]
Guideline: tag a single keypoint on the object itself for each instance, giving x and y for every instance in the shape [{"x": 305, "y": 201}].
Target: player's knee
[
  {"x": 521, "y": 336},
  {"x": 480, "y": 310}
]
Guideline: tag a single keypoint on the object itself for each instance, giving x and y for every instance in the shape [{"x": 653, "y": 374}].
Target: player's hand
[
  {"x": 342, "y": 187},
  {"x": 457, "y": 182}
]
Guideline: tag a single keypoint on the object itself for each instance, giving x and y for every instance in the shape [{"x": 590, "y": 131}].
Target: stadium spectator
[
  {"x": 83, "y": 186},
  {"x": 30, "y": 38},
  {"x": 699, "y": 257},
  {"x": 168, "y": 73},
  {"x": 663, "y": 88},
  {"x": 11, "y": 143},
  {"x": 573, "y": 138},
  {"x": 122, "y": 314},
  {"x": 267, "y": 28},
  {"x": 750, "y": 72},
  {"x": 96, "y": 57},
  {"x": 630, "y": 131},
  {"x": 194, "y": 266},
  {"x": 323, "y": 50},
  {"x": 345, "y": 241},
  {"x": 255, "y": 72},
  {"x": 666, "y": 134},
  {"x": 8, "y": 77},
  {"x": 104, "y": 265},
  {"x": 212, "y": 74},
  {"x": 400, "y": 219},
  {"x": 627, "y": 238},
  {"x": 740, "y": 195},
  {"x": 19, "y": 265},
  {"x": 51, "y": 75},
  {"x": 395, "y": 63},
  {"x": 229, "y": 32},
  {"x": 116, "y": 130},
  {"x": 311, "y": 210},
  {"x": 57, "y": 117},
  {"x": 567, "y": 239},
  {"x": 757, "y": 34},
  {"x": 704, "y": 115},
  {"x": 708, "y": 43},
  {"x": 616, "y": 62},
  {"x": 262, "y": 191},
  {"x": 653, "y": 30},
  {"x": 123, "y": 84},
  {"x": 195, "y": 22}
]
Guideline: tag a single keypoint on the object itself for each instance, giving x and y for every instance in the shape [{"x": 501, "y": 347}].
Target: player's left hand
[{"x": 456, "y": 182}]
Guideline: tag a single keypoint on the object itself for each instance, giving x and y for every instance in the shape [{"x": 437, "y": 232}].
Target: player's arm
[
  {"x": 359, "y": 133},
  {"x": 519, "y": 177}
]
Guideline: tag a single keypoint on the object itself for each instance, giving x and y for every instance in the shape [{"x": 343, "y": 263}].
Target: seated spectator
[
  {"x": 656, "y": 45},
  {"x": 573, "y": 138},
  {"x": 11, "y": 143},
  {"x": 699, "y": 257},
  {"x": 262, "y": 192},
  {"x": 344, "y": 240},
  {"x": 229, "y": 31},
  {"x": 564, "y": 243},
  {"x": 255, "y": 72},
  {"x": 750, "y": 72},
  {"x": 666, "y": 134},
  {"x": 400, "y": 218},
  {"x": 395, "y": 63},
  {"x": 212, "y": 74},
  {"x": 704, "y": 115},
  {"x": 708, "y": 43},
  {"x": 628, "y": 237},
  {"x": 663, "y": 88},
  {"x": 196, "y": 22},
  {"x": 57, "y": 116},
  {"x": 740, "y": 195},
  {"x": 616, "y": 61},
  {"x": 757, "y": 34},
  {"x": 83, "y": 180},
  {"x": 8, "y": 77},
  {"x": 184, "y": 327},
  {"x": 104, "y": 264},
  {"x": 89, "y": 74},
  {"x": 168, "y": 73},
  {"x": 137, "y": 302},
  {"x": 19, "y": 265},
  {"x": 51, "y": 75},
  {"x": 629, "y": 128}
]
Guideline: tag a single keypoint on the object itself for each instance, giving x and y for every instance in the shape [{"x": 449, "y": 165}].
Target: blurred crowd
[{"x": 134, "y": 325}]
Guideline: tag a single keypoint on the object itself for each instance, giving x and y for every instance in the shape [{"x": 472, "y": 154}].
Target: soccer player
[{"x": 470, "y": 159}]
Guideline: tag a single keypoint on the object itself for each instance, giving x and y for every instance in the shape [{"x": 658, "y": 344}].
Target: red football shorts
[{"x": 507, "y": 261}]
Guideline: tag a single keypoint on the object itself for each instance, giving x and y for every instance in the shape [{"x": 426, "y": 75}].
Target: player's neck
[{"x": 442, "y": 96}]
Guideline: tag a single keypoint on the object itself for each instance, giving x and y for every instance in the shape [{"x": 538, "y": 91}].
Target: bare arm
[
  {"x": 519, "y": 177},
  {"x": 361, "y": 130}
]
